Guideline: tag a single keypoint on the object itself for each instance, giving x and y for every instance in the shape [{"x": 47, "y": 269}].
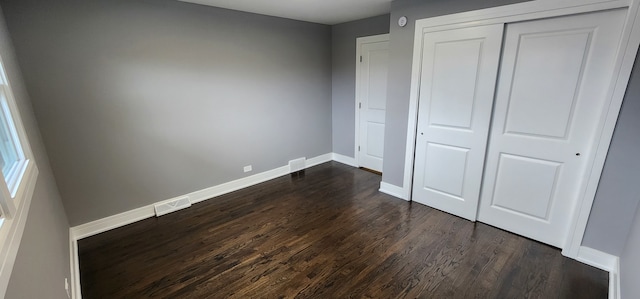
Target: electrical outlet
[
  {"x": 247, "y": 168},
  {"x": 66, "y": 287}
]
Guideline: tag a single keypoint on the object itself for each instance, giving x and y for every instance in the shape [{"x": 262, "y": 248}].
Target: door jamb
[
  {"x": 359, "y": 42},
  {"x": 624, "y": 62}
]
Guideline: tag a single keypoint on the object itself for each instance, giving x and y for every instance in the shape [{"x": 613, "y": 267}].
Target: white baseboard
[
  {"x": 589, "y": 256},
  {"x": 393, "y": 190},
  {"x": 596, "y": 258},
  {"x": 319, "y": 160},
  {"x": 128, "y": 217},
  {"x": 242, "y": 183},
  {"x": 204, "y": 194},
  {"x": 603, "y": 261},
  {"x": 345, "y": 160},
  {"x": 108, "y": 223}
]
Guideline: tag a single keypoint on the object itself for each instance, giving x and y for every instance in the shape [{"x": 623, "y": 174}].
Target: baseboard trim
[
  {"x": 597, "y": 258},
  {"x": 319, "y": 160},
  {"x": 587, "y": 255},
  {"x": 108, "y": 223},
  {"x": 242, "y": 183},
  {"x": 603, "y": 261},
  {"x": 345, "y": 160},
  {"x": 208, "y": 193},
  {"x": 393, "y": 190}
]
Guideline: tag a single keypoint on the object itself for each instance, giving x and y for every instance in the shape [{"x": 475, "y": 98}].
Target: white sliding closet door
[
  {"x": 456, "y": 94},
  {"x": 551, "y": 91}
]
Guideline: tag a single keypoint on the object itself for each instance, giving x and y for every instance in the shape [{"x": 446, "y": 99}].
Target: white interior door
[
  {"x": 458, "y": 75},
  {"x": 551, "y": 92},
  {"x": 372, "y": 101}
]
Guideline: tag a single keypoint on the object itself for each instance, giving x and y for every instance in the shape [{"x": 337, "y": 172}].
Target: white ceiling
[{"x": 328, "y": 12}]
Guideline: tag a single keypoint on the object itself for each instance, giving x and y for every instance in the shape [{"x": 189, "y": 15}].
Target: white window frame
[{"x": 15, "y": 197}]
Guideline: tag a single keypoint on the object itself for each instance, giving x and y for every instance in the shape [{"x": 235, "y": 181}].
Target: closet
[{"x": 508, "y": 118}]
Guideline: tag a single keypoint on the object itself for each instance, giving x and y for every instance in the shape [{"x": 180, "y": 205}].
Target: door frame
[
  {"x": 359, "y": 42},
  {"x": 533, "y": 10}
]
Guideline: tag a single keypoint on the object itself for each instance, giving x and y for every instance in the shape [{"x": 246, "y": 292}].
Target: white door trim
[
  {"x": 359, "y": 42},
  {"x": 529, "y": 11}
]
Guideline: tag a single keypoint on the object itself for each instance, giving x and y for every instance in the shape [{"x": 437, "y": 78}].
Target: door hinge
[
  {"x": 360, "y": 105},
  {"x": 360, "y": 58},
  {"x": 358, "y": 148}
]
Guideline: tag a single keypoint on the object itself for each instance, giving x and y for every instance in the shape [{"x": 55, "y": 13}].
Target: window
[
  {"x": 12, "y": 159},
  {"x": 15, "y": 155},
  {"x": 19, "y": 173}
]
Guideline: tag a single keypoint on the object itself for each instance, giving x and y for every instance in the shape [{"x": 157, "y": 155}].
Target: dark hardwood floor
[{"x": 327, "y": 234}]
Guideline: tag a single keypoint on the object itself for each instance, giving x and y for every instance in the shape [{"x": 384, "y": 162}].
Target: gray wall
[
  {"x": 343, "y": 58},
  {"x": 618, "y": 193},
  {"x": 400, "y": 59},
  {"x": 630, "y": 262},
  {"x": 142, "y": 100},
  {"x": 42, "y": 262}
]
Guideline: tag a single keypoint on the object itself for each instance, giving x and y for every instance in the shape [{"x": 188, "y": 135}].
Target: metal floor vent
[
  {"x": 172, "y": 206},
  {"x": 297, "y": 165}
]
